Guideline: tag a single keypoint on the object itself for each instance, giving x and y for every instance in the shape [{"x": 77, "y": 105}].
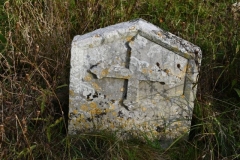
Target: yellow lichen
[
  {"x": 96, "y": 87},
  {"x": 184, "y": 129},
  {"x": 84, "y": 107},
  {"x": 75, "y": 111},
  {"x": 104, "y": 72},
  {"x": 93, "y": 105},
  {"x": 71, "y": 93},
  {"x": 182, "y": 96},
  {"x": 111, "y": 125},
  {"x": 129, "y": 38},
  {"x": 177, "y": 124},
  {"x": 79, "y": 119},
  {"x": 145, "y": 70},
  {"x": 168, "y": 71},
  {"x": 96, "y": 111},
  {"x": 144, "y": 109},
  {"x": 114, "y": 114},
  {"x": 112, "y": 107},
  {"x": 88, "y": 78}
]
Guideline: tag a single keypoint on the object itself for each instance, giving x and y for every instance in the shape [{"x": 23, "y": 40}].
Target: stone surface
[
  {"x": 133, "y": 77},
  {"x": 236, "y": 11}
]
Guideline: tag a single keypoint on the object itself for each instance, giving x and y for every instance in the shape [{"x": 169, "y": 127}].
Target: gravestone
[{"x": 133, "y": 77}]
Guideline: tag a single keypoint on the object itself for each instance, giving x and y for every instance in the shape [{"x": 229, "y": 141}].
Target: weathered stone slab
[{"x": 133, "y": 77}]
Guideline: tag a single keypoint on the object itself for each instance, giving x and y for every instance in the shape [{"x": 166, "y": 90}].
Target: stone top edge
[{"x": 145, "y": 29}]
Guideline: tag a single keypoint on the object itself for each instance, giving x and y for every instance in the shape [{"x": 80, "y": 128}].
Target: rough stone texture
[
  {"x": 133, "y": 77},
  {"x": 236, "y": 11}
]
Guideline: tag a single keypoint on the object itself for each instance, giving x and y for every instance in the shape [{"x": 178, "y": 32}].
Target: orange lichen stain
[
  {"x": 93, "y": 105},
  {"x": 84, "y": 107},
  {"x": 71, "y": 93},
  {"x": 122, "y": 89},
  {"x": 104, "y": 72},
  {"x": 75, "y": 111},
  {"x": 96, "y": 87},
  {"x": 88, "y": 78},
  {"x": 144, "y": 109}
]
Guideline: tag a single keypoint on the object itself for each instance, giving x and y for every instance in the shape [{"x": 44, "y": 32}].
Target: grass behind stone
[{"x": 35, "y": 43}]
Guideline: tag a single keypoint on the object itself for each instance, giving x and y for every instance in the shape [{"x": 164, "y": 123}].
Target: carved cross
[{"x": 131, "y": 73}]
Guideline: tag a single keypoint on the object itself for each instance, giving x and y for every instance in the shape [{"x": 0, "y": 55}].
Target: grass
[{"x": 35, "y": 43}]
